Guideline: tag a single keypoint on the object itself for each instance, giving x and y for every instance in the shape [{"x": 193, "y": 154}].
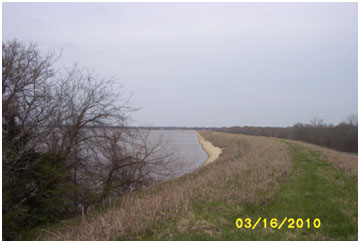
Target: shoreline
[{"x": 212, "y": 151}]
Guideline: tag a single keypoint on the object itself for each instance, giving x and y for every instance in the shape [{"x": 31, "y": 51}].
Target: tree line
[
  {"x": 61, "y": 152},
  {"x": 342, "y": 137}
]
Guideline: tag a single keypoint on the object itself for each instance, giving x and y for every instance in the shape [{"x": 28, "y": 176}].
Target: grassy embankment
[{"x": 254, "y": 177}]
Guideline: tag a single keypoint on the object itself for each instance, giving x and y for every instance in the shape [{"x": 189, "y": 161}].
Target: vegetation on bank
[
  {"x": 313, "y": 190},
  {"x": 61, "y": 155},
  {"x": 254, "y": 177}
]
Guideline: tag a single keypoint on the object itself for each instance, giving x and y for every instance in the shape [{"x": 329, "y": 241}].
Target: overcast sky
[{"x": 208, "y": 64}]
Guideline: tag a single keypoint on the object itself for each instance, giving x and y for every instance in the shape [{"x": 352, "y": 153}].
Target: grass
[
  {"x": 313, "y": 190},
  {"x": 254, "y": 177}
]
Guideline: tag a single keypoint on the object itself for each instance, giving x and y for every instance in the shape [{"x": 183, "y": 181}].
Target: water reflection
[{"x": 185, "y": 148}]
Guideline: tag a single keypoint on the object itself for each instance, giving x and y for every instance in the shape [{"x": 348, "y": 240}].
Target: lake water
[
  {"x": 185, "y": 147},
  {"x": 168, "y": 153}
]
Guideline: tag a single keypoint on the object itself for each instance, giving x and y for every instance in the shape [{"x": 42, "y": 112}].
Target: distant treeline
[{"x": 342, "y": 137}]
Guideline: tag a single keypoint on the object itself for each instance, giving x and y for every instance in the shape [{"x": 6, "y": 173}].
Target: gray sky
[{"x": 208, "y": 64}]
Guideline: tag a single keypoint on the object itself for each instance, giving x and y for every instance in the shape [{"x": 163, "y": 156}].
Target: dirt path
[{"x": 212, "y": 151}]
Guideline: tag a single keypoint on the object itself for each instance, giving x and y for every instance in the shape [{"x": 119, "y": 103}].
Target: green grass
[{"x": 314, "y": 189}]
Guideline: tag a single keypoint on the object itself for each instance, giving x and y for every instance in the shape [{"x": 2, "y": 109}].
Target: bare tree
[
  {"x": 317, "y": 122},
  {"x": 130, "y": 159},
  {"x": 70, "y": 116},
  {"x": 352, "y": 119},
  {"x": 25, "y": 96}
]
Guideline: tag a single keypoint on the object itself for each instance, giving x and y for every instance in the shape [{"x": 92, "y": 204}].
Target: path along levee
[{"x": 212, "y": 151}]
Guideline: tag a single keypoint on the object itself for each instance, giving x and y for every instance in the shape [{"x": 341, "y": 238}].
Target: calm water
[{"x": 185, "y": 147}]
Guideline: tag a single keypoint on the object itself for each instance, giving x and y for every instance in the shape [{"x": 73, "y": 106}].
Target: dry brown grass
[{"x": 248, "y": 170}]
